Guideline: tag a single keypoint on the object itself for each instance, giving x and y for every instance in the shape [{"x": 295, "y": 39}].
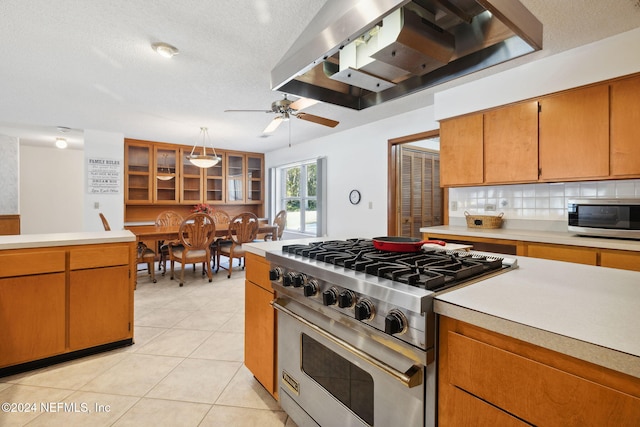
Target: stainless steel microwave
[{"x": 605, "y": 217}]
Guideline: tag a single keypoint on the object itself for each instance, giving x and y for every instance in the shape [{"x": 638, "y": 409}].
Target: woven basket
[{"x": 483, "y": 221}]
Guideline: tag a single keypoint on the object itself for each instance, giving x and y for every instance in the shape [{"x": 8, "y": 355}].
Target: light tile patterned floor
[{"x": 185, "y": 368}]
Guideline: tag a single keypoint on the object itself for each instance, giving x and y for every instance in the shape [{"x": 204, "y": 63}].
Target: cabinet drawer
[
  {"x": 534, "y": 392},
  {"x": 32, "y": 262},
  {"x": 99, "y": 256},
  {"x": 563, "y": 253},
  {"x": 625, "y": 260},
  {"x": 258, "y": 271}
]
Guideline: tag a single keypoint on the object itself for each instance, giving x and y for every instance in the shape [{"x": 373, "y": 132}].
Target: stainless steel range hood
[{"x": 360, "y": 53}]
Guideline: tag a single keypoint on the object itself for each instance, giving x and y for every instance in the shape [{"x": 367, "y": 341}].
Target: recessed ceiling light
[
  {"x": 165, "y": 49},
  {"x": 61, "y": 143}
]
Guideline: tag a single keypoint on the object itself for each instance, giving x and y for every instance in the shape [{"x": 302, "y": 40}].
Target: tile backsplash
[{"x": 524, "y": 203}]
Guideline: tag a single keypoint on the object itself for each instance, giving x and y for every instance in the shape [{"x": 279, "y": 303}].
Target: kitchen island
[
  {"x": 64, "y": 295},
  {"x": 574, "y": 323}
]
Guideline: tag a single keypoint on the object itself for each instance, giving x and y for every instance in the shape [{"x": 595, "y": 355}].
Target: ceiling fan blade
[
  {"x": 248, "y": 111},
  {"x": 302, "y": 103},
  {"x": 317, "y": 119},
  {"x": 273, "y": 125}
]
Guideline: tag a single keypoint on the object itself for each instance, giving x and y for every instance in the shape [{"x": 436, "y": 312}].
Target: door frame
[{"x": 392, "y": 182}]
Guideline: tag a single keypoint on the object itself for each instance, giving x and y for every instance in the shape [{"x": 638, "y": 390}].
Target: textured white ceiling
[{"x": 89, "y": 65}]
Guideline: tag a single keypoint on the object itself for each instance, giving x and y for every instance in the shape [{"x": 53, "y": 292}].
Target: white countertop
[
  {"x": 588, "y": 312},
  {"x": 555, "y": 237},
  {"x": 22, "y": 241}
]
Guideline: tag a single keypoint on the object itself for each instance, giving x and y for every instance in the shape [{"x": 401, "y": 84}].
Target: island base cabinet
[
  {"x": 98, "y": 307},
  {"x": 525, "y": 383},
  {"x": 260, "y": 323},
  {"x": 32, "y": 315}
]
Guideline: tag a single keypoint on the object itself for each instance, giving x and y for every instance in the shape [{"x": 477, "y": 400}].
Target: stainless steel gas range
[{"x": 357, "y": 331}]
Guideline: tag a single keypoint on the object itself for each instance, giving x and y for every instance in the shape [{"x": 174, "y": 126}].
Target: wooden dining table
[{"x": 159, "y": 232}]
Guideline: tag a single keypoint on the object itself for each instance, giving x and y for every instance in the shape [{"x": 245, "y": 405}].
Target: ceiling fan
[{"x": 285, "y": 108}]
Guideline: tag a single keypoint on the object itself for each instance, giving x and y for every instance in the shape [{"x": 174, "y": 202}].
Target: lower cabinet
[
  {"x": 59, "y": 300},
  {"x": 260, "y": 349},
  {"x": 492, "y": 379},
  {"x": 575, "y": 254}
]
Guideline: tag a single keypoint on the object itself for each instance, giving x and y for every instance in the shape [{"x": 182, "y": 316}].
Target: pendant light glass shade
[{"x": 204, "y": 160}]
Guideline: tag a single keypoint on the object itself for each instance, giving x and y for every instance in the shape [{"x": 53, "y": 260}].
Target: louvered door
[{"x": 420, "y": 195}]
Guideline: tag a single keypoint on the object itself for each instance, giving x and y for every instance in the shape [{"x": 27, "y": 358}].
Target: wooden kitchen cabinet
[
  {"x": 580, "y": 255},
  {"x": 626, "y": 260},
  {"x": 511, "y": 143},
  {"x": 245, "y": 178},
  {"x": 255, "y": 178},
  {"x": 260, "y": 338},
  {"x": 60, "y": 300},
  {"x": 461, "y": 151},
  {"x": 138, "y": 184},
  {"x": 574, "y": 134},
  {"x": 625, "y": 117},
  {"x": 32, "y": 305},
  {"x": 214, "y": 179},
  {"x": 525, "y": 383},
  {"x": 166, "y": 175}
]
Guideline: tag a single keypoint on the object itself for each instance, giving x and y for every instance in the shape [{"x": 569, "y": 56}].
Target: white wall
[
  {"x": 357, "y": 159},
  {"x": 9, "y": 175},
  {"x": 51, "y": 190},
  {"x": 103, "y": 145}
]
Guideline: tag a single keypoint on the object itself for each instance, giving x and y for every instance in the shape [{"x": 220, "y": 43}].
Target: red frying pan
[{"x": 402, "y": 244}]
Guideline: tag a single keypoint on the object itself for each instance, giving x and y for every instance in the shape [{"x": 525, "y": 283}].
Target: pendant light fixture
[{"x": 204, "y": 160}]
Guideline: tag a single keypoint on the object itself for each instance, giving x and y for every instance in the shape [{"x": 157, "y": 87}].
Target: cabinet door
[
  {"x": 235, "y": 178},
  {"x": 511, "y": 144},
  {"x": 574, "y": 134},
  {"x": 138, "y": 173},
  {"x": 259, "y": 336},
  {"x": 32, "y": 309},
  {"x": 214, "y": 188},
  {"x": 99, "y": 306},
  {"x": 190, "y": 179},
  {"x": 625, "y": 117},
  {"x": 625, "y": 260},
  {"x": 461, "y": 151},
  {"x": 563, "y": 253},
  {"x": 255, "y": 179},
  {"x": 166, "y": 175}
]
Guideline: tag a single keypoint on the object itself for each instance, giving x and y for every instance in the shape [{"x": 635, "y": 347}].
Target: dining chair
[
  {"x": 166, "y": 219},
  {"x": 219, "y": 217},
  {"x": 196, "y": 233},
  {"x": 280, "y": 221},
  {"x": 105, "y": 223},
  {"x": 243, "y": 228}
]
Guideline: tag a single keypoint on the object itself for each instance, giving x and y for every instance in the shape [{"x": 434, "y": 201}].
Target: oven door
[{"x": 330, "y": 374}]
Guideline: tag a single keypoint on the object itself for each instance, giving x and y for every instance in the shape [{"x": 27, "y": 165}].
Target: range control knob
[
  {"x": 395, "y": 322},
  {"x": 311, "y": 288},
  {"x": 275, "y": 274},
  {"x": 299, "y": 280},
  {"x": 364, "y": 310},
  {"x": 287, "y": 279},
  {"x": 330, "y": 297},
  {"x": 346, "y": 299}
]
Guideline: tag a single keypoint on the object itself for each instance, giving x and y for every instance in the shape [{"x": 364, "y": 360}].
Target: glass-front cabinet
[
  {"x": 214, "y": 182},
  {"x": 255, "y": 178},
  {"x": 235, "y": 178},
  {"x": 191, "y": 179},
  {"x": 139, "y": 173},
  {"x": 166, "y": 172}
]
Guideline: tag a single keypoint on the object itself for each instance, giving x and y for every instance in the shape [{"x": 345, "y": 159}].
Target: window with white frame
[{"x": 300, "y": 191}]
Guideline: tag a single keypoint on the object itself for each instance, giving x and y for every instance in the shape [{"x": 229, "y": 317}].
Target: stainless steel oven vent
[{"x": 360, "y": 53}]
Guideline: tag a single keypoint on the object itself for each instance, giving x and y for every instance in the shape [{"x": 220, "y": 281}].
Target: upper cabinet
[
  {"x": 574, "y": 134},
  {"x": 580, "y": 134},
  {"x": 138, "y": 172},
  {"x": 461, "y": 151},
  {"x": 625, "y": 118},
  {"x": 160, "y": 173},
  {"x": 166, "y": 174},
  {"x": 511, "y": 143}
]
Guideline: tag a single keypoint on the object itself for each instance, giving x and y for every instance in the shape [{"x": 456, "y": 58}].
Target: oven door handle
[{"x": 411, "y": 378}]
